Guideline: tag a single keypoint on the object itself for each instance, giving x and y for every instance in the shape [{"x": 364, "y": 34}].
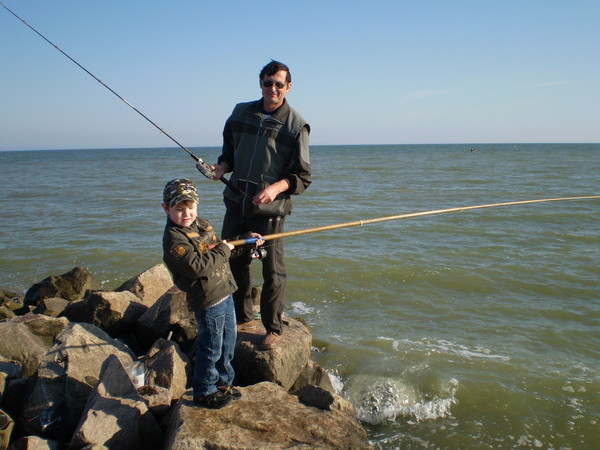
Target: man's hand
[
  {"x": 268, "y": 194},
  {"x": 220, "y": 169}
]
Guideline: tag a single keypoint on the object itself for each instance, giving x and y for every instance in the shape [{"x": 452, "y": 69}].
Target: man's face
[
  {"x": 183, "y": 213},
  {"x": 272, "y": 94}
]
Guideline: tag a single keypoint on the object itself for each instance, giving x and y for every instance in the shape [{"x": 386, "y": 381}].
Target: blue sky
[{"x": 376, "y": 72}]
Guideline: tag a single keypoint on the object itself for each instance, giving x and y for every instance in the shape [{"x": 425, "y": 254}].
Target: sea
[{"x": 470, "y": 329}]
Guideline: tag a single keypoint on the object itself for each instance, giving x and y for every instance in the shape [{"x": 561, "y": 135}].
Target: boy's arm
[{"x": 193, "y": 264}]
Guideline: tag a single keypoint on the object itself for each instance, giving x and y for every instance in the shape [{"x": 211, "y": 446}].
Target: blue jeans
[{"x": 216, "y": 346}]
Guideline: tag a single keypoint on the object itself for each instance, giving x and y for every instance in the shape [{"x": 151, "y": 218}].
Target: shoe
[
  {"x": 270, "y": 341},
  {"x": 247, "y": 326},
  {"x": 231, "y": 391},
  {"x": 215, "y": 400}
]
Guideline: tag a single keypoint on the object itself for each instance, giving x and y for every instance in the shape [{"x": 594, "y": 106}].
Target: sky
[{"x": 364, "y": 72}]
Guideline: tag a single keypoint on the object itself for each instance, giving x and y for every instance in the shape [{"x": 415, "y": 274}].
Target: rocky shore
[{"x": 82, "y": 368}]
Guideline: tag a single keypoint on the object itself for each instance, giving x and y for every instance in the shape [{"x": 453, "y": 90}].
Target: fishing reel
[
  {"x": 205, "y": 169},
  {"x": 258, "y": 253}
]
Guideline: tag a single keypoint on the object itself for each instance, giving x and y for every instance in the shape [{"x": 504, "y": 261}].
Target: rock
[
  {"x": 52, "y": 307},
  {"x": 313, "y": 375},
  {"x": 265, "y": 417},
  {"x": 150, "y": 285},
  {"x": 6, "y": 428},
  {"x": 167, "y": 366},
  {"x": 12, "y": 300},
  {"x": 26, "y": 339},
  {"x": 35, "y": 443},
  {"x": 169, "y": 314},
  {"x": 157, "y": 398},
  {"x": 66, "y": 376},
  {"x": 71, "y": 286},
  {"x": 8, "y": 371},
  {"x": 282, "y": 365},
  {"x": 44, "y": 327},
  {"x": 6, "y": 313},
  {"x": 115, "y": 416},
  {"x": 114, "y": 312},
  {"x": 326, "y": 400}
]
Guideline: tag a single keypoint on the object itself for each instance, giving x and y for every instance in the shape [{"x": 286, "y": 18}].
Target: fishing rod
[
  {"x": 200, "y": 164},
  {"x": 357, "y": 223}
]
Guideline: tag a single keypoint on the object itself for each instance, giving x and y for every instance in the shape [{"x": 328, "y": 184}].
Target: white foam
[{"x": 301, "y": 308}]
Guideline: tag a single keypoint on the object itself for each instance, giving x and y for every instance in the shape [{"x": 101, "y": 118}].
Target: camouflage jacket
[{"x": 198, "y": 262}]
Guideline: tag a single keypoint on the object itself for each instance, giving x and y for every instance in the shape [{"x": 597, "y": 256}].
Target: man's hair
[{"x": 272, "y": 68}]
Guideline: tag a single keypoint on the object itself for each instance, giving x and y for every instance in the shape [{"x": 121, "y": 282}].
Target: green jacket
[
  {"x": 198, "y": 262},
  {"x": 261, "y": 151}
]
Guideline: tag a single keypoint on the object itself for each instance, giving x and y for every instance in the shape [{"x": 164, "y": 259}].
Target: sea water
[{"x": 470, "y": 329}]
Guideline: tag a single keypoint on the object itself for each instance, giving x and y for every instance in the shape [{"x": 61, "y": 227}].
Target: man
[{"x": 265, "y": 146}]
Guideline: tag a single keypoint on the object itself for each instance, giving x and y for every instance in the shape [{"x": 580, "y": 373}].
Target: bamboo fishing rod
[{"x": 360, "y": 223}]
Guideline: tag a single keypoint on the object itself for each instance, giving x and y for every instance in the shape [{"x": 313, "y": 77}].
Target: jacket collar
[{"x": 281, "y": 113}]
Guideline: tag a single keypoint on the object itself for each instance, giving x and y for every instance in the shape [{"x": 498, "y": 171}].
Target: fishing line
[
  {"x": 200, "y": 164},
  {"x": 400, "y": 216}
]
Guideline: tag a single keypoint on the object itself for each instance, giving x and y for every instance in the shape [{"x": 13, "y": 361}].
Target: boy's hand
[{"x": 231, "y": 247}]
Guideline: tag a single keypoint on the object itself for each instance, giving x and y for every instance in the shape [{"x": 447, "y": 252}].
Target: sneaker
[
  {"x": 247, "y": 326},
  {"x": 215, "y": 400},
  {"x": 270, "y": 341},
  {"x": 231, "y": 391}
]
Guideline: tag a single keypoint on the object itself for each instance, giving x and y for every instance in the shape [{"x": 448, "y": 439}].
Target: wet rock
[
  {"x": 115, "y": 416},
  {"x": 265, "y": 417},
  {"x": 71, "y": 286},
  {"x": 326, "y": 400},
  {"x": 313, "y": 375},
  {"x": 150, "y": 285},
  {"x": 11, "y": 299},
  {"x": 114, "y": 312}
]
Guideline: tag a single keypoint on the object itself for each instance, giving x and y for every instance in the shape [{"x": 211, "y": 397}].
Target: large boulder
[
  {"x": 26, "y": 339},
  {"x": 114, "y": 312},
  {"x": 52, "y": 307},
  {"x": 115, "y": 416},
  {"x": 282, "y": 365},
  {"x": 266, "y": 416},
  {"x": 149, "y": 285},
  {"x": 167, "y": 366},
  {"x": 71, "y": 286},
  {"x": 313, "y": 375},
  {"x": 169, "y": 315},
  {"x": 66, "y": 376}
]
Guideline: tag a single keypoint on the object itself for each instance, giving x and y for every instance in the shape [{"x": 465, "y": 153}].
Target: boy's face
[{"x": 183, "y": 213}]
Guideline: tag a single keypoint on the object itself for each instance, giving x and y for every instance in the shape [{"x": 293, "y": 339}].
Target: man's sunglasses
[{"x": 278, "y": 84}]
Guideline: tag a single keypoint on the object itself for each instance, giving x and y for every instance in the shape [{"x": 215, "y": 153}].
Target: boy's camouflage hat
[{"x": 178, "y": 190}]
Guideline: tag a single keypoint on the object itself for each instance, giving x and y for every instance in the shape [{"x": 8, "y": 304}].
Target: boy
[{"x": 199, "y": 264}]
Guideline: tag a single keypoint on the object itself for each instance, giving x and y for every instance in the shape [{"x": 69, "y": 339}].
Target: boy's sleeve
[{"x": 193, "y": 263}]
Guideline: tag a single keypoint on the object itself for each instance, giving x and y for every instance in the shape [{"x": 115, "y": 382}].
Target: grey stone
[
  {"x": 266, "y": 417},
  {"x": 115, "y": 416},
  {"x": 150, "y": 285},
  {"x": 114, "y": 312},
  {"x": 282, "y": 365}
]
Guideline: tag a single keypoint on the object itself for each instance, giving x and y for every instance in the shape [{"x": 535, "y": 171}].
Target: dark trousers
[{"x": 273, "y": 269}]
